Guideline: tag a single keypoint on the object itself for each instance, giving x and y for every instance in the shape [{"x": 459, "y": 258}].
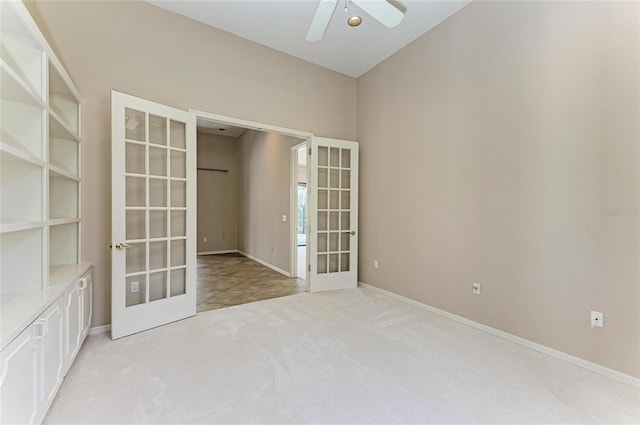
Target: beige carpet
[{"x": 349, "y": 356}]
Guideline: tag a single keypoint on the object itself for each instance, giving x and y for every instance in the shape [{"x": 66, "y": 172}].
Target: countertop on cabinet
[{"x": 18, "y": 311}]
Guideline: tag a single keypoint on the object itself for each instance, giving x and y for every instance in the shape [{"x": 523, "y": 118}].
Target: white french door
[
  {"x": 153, "y": 255},
  {"x": 333, "y": 215}
]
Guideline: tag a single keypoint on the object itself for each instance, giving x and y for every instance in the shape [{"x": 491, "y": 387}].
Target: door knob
[
  {"x": 122, "y": 246},
  {"x": 353, "y": 233}
]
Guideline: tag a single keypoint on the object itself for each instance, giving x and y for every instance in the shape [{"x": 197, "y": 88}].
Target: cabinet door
[
  {"x": 87, "y": 295},
  {"x": 18, "y": 379},
  {"x": 51, "y": 353},
  {"x": 73, "y": 320}
]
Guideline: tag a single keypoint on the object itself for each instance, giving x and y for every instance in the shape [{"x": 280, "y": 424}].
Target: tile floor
[{"x": 232, "y": 279}]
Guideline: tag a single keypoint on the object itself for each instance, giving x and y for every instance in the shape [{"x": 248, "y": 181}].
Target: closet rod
[{"x": 213, "y": 169}]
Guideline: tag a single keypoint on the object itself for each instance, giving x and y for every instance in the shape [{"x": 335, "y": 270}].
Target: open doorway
[{"x": 245, "y": 229}]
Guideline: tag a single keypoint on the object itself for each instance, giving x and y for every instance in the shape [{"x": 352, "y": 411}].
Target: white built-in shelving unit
[
  {"x": 45, "y": 291},
  {"x": 40, "y": 158}
]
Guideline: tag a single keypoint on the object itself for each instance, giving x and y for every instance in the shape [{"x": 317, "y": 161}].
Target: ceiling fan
[{"x": 387, "y": 12}]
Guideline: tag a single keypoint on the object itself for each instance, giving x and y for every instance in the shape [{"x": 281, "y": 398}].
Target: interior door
[
  {"x": 333, "y": 215},
  {"x": 153, "y": 214}
]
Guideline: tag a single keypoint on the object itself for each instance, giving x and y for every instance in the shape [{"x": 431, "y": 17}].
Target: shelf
[
  {"x": 63, "y": 244},
  {"x": 21, "y": 126},
  {"x": 62, "y": 221},
  {"x": 59, "y": 129},
  {"x": 63, "y": 101},
  {"x": 19, "y": 226},
  {"x": 14, "y": 22},
  {"x": 63, "y": 157},
  {"x": 26, "y": 60},
  {"x": 15, "y": 89},
  {"x": 20, "y": 192},
  {"x": 21, "y": 261},
  {"x": 63, "y": 198},
  {"x": 57, "y": 172},
  {"x": 10, "y": 152}
]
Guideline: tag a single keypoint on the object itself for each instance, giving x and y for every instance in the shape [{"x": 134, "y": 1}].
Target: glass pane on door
[
  {"x": 333, "y": 209},
  {"x": 154, "y": 155}
]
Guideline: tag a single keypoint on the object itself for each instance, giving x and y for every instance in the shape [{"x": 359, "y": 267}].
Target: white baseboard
[
  {"x": 226, "y": 251},
  {"x": 99, "y": 329},
  {"x": 264, "y": 263},
  {"x": 593, "y": 367}
]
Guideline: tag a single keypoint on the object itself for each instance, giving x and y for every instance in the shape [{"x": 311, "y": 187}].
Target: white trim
[
  {"x": 593, "y": 367},
  {"x": 293, "y": 209},
  {"x": 225, "y": 251},
  {"x": 251, "y": 124},
  {"x": 96, "y": 330},
  {"x": 264, "y": 263}
]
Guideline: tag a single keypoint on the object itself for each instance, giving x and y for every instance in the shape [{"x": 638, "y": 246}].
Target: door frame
[
  {"x": 293, "y": 213},
  {"x": 254, "y": 125}
]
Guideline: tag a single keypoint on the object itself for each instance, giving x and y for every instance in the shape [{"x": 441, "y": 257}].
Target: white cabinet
[
  {"x": 87, "y": 304},
  {"x": 78, "y": 315},
  {"x": 32, "y": 368},
  {"x": 18, "y": 381},
  {"x": 51, "y": 354}
]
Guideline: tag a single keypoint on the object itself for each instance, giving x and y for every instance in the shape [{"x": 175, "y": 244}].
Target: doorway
[
  {"x": 244, "y": 223},
  {"x": 154, "y": 212}
]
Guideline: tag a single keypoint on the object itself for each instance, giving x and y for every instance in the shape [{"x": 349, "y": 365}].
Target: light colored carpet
[{"x": 350, "y": 356}]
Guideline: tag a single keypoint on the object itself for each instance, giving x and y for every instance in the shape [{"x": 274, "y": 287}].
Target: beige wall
[
  {"x": 139, "y": 49},
  {"x": 265, "y": 188},
  {"x": 217, "y": 193},
  {"x": 499, "y": 148},
  {"x": 492, "y": 151}
]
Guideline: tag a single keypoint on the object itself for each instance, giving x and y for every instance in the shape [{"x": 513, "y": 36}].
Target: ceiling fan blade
[
  {"x": 321, "y": 19},
  {"x": 382, "y": 10}
]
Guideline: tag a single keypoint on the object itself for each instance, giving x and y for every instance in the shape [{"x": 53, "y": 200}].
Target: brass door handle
[
  {"x": 122, "y": 245},
  {"x": 353, "y": 233}
]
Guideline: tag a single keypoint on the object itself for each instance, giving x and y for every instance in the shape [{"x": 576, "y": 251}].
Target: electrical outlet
[
  {"x": 597, "y": 319},
  {"x": 284, "y": 217},
  {"x": 205, "y": 239},
  {"x": 135, "y": 286},
  {"x": 375, "y": 264},
  {"x": 475, "y": 287}
]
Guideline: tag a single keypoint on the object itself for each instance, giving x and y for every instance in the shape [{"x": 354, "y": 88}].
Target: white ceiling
[{"x": 283, "y": 25}]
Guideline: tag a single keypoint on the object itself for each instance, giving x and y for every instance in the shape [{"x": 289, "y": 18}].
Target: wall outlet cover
[{"x": 597, "y": 319}]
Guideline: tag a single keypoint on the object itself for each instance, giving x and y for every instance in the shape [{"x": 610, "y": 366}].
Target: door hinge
[
  {"x": 309, "y": 268},
  {"x": 309, "y": 151}
]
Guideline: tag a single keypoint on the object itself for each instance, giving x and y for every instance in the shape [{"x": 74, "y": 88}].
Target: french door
[
  {"x": 153, "y": 167},
  {"x": 333, "y": 215}
]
